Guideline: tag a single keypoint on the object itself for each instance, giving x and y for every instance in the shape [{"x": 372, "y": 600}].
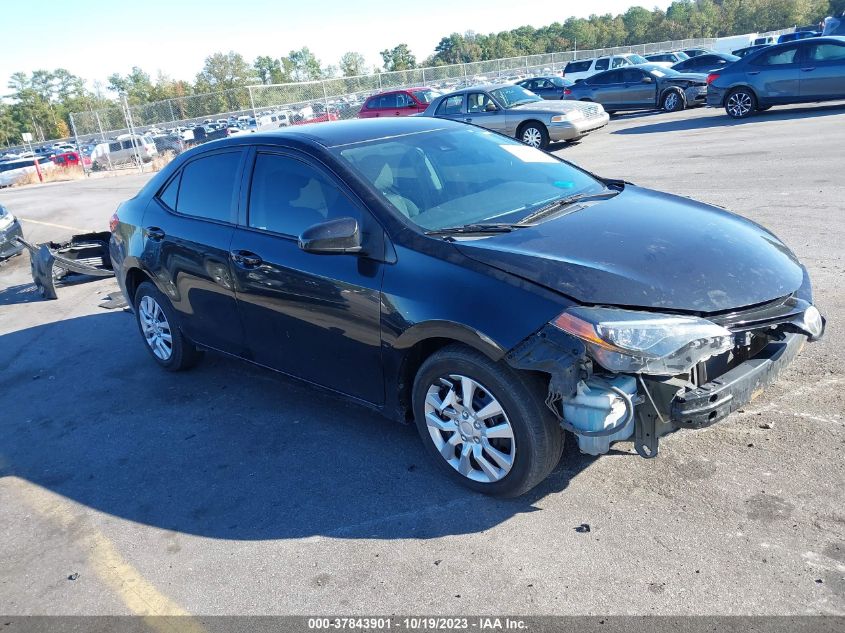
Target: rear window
[
  {"x": 451, "y": 105},
  {"x": 578, "y": 67},
  {"x": 207, "y": 188},
  {"x": 602, "y": 64},
  {"x": 776, "y": 57},
  {"x": 425, "y": 96}
]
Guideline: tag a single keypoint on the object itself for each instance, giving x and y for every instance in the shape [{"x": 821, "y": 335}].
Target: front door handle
[
  {"x": 154, "y": 233},
  {"x": 246, "y": 259},
  {"x": 754, "y": 72},
  {"x": 806, "y": 70},
  {"x": 468, "y": 119}
]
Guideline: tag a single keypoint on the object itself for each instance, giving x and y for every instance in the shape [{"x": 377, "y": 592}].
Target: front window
[
  {"x": 510, "y": 96},
  {"x": 446, "y": 178}
]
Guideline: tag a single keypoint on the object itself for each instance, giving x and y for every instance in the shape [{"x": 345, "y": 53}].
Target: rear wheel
[
  {"x": 534, "y": 134},
  {"x": 160, "y": 330},
  {"x": 741, "y": 103},
  {"x": 486, "y": 424}
]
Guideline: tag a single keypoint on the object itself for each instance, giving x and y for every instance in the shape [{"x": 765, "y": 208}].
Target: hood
[
  {"x": 647, "y": 249},
  {"x": 551, "y": 106},
  {"x": 699, "y": 77}
]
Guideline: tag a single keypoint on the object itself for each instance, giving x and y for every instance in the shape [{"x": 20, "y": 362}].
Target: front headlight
[
  {"x": 6, "y": 220},
  {"x": 628, "y": 341},
  {"x": 572, "y": 115}
]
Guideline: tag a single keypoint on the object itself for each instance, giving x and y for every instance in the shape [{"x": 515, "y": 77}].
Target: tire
[
  {"x": 673, "y": 101},
  {"x": 534, "y": 134},
  {"x": 740, "y": 103},
  {"x": 157, "y": 321},
  {"x": 449, "y": 432}
]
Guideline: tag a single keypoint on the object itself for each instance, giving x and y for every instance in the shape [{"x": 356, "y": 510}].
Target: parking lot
[{"x": 227, "y": 489}]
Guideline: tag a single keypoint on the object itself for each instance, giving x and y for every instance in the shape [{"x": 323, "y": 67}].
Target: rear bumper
[
  {"x": 715, "y": 400},
  {"x": 715, "y": 97}
]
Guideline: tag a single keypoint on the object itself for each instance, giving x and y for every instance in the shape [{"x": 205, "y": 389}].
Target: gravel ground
[{"x": 229, "y": 490}]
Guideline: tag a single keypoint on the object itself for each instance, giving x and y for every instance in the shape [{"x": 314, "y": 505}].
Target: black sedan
[
  {"x": 705, "y": 63},
  {"x": 547, "y": 87},
  {"x": 643, "y": 87},
  {"x": 449, "y": 276},
  {"x": 804, "y": 71}
]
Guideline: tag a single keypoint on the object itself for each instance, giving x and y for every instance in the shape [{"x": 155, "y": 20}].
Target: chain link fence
[{"x": 272, "y": 106}]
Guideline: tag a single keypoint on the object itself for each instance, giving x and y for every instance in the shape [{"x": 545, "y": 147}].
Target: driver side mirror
[
  {"x": 648, "y": 80},
  {"x": 333, "y": 237},
  {"x": 490, "y": 107}
]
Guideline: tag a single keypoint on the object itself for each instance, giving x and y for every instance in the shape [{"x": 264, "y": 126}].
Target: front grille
[{"x": 591, "y": 111}]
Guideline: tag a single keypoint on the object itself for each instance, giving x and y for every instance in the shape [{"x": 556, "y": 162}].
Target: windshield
[
  {"x": 510, "y": 96},
  {"x": 637, "y": 59},
  {"x": 452, "y": 177},
  {"x": 557, "y": 81},
  {"x": 659, "y": 71},
  {"x": 425, "y": 96}
]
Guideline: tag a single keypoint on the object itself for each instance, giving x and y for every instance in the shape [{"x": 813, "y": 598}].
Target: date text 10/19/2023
[{"x": 417, "y": 623}]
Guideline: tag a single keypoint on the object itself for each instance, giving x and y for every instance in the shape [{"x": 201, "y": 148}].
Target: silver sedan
[{"x": 516, "y": 112}]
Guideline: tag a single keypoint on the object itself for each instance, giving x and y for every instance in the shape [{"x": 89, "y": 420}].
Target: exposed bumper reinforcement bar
[{"x": 715, "y": 400}]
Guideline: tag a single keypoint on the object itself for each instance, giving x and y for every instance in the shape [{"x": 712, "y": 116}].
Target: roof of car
[{"x": 344, "y": 132}]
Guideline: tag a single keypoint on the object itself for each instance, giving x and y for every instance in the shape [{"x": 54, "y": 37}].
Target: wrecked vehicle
[
  {"x": 83, "y": 255},
  {"x": 444, "y": 274},
  {"x": 10, "y": 231}
]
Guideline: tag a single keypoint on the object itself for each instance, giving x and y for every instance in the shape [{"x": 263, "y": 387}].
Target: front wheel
[
  {"x": 740, "y": 104},
  {"x": 673, "y": 102},
  {"x": 486, "y": 424},
  {"x": 535, "y": 135},
  {"x": 160, "y": 330}
]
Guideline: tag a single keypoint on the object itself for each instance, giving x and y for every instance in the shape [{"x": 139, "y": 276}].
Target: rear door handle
[
  {"x": 154, "y": 233},
  {"x": 754, "y": 72},
  {"x": 806, "y": 70},
  {"x": 468, "y": 119},
  {"x": 246, "y": 259}
]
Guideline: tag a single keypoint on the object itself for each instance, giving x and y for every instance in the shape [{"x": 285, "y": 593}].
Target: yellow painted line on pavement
[
  {"x": 138, "y": 594},
  {"x": 55, "y": 226}
]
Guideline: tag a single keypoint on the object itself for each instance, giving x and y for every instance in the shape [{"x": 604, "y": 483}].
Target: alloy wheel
[
  {"x": 532, "y": 136},
  {"x": 470, "y": 428},
  {"x": 155, "y": 328},
  {"x": 739, "y": 104},
  {"x": 671, "y": 101}
]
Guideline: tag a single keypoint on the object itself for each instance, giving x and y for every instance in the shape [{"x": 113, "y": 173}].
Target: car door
[
  {"x": 451, "y": 108},
  {"x": 313, "y": 316},
  {"x": 188, "y": 228},
  {"x": 605, "y": 88},
  {"x": 774, "y": 75},
  {"x": 822, "y": 70},
  {"x": 638, "y": 90},
  {"x": 545, "y": 89},
  {"x": 478, "y": 112}
]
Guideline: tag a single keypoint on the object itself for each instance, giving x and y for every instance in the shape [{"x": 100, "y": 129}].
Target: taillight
[
  {"x": 712, "y": 77},
  {"x": 566, "y": 92},
  {"x": 113, "y": 222}
]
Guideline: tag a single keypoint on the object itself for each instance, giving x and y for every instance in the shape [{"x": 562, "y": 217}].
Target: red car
[
  {"x": 70, "y": 159},
  {"x": 398, "y": 103}
]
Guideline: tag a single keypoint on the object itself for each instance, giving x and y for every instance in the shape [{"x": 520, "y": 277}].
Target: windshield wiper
[
  {"x": 477, "y": 228},
  {"x": 562, "y": 203}
]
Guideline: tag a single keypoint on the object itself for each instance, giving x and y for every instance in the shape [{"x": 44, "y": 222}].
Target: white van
[
  {"x": 13, "y": 170},
  {"x": 126, "y": 148},
  {"x": 583, "y": 68}
]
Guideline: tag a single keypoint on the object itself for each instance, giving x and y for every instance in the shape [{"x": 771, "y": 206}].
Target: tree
[
  {"x": 352, "y": 64},
  {"x": 137, "y": 86},
  {"x": 226, "y": 71},
  {"x": 268, "y": 70},
  {"x": 302, "y": 65},
  {"x": 398, "y": 58}
]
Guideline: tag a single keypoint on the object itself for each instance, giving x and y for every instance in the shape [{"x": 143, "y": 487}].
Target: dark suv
[{"x": 441, "y": 273}]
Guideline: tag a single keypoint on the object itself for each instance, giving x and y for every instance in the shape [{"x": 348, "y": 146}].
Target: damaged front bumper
[
  {"x": 50, "y": 262},
  {"x": 663, "y": 404}
]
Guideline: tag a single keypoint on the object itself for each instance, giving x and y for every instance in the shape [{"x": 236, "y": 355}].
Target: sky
[{"x": 95, "y": 38}]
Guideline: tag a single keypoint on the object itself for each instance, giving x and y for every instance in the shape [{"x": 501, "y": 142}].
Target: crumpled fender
[{"x": 556, "y": 353}]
